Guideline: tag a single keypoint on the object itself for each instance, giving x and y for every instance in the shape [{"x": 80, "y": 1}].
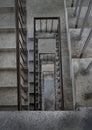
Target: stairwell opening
[
  {"x": 47, "y": 80},
  {"x": 48, "y": 91},
  {"x": 47, "y": 50}
]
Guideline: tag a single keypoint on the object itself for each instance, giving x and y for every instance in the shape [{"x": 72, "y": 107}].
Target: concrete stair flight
[
  {"x": 8, "y": 70},
  {"x": 33, "y": 92}
]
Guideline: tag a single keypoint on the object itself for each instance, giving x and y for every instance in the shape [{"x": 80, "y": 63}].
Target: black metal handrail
[
  {"x": 44, "y": 21},
  {"x": 21, "y": 49}
]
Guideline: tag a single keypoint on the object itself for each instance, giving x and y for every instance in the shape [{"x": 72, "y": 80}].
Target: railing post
[
  {"x": 72, "y": 5},
  {"x": 20, "y": 49},
  {"x": 76, "y": 7},
  {"x": 85, "y": 18},
  {"x": 86, "y": 43},
  {"x": 79, "y": 11},
  {"x": 61, "y": 71},
  {"x": 88, "y": 67},
  {"x": 18, "y": 57},
  {"x": 86, "y": 71}
]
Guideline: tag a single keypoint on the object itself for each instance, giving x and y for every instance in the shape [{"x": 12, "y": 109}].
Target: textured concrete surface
[
  {"x": 8, "y": 78},
  {"x": 6, "y": 3},
  {"x": 8, "y": 59},
  {"x": 8, "y": 81},
  {"x": 72, "y": 18},
  {"x": 7, "y": 40},
  {"x": 82, "y": 83},
  {"x": 77, "y": 45},
  {"x": 7, "y": 20},
  {"x": 8, "y": 96},
  {"x": 49, "y": 93},
  {"x": 85, "y": 2},
  {"x": 47, "y": 45},
  {"x": 46, "y": 120}
]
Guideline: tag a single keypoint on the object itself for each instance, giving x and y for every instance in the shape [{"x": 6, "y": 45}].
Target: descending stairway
[
  {"x": 45, "y": 33},
  {"x": 31, "y": 73},
  {"x": 8, "y": 70},
  {"x": 33, "y": 92},
  {"x": 58, "y": 78},
  {"x": 81, "y": 81}
]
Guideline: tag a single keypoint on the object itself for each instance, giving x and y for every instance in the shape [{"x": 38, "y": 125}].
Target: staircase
[
  {"x": 31, "y": 73},
  {"x": 59, "y": 82},
  {"x": 80, "y": 48},
  {"x": 33, "y": 69},
  {"x": 8, "y": 69},
  {"x": 79, "y": 93},
  {"x": 77, "y": 61}
]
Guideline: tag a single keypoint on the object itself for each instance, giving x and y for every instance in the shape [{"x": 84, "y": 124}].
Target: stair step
[
  {"x": 10, "y": 43},
  {"x": 77, "y": 45},
  {"x": 82, "y": 14},
  {"x": 7, "y": 20},
  {"x": 12, "y": 107},
  {"x": 72, "y": 19},
  {"x": 7, "y": 49},
  {"x": 7, "y": 29},
  {"x": 7, "y": 9},
  {"x": 9, "y": 99},
  {"x": 8, "y": 58},
  {"x": 7, "y": 3}
]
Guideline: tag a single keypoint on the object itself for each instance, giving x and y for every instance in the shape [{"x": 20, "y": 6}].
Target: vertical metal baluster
[
  {"x": 85, "y": 19},
  {"x": 72, "y": 5},
  {"x": 86, "y": 43},
  {"x": 76, "y": 7},
  {"x": 18, "y": 58},
  {"x": 46, "y": 25},
  {"x": 52, "y": 25},
  {"x": 88, "y": 67},
  {"x": 40, "y": 25},
  {"x": 79, "y": 11},
  {"x": 34, "y": 66}
]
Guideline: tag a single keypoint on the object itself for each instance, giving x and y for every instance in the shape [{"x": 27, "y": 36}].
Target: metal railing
[
  {"x": 46, "y": 24},
  {"x": 21, "y": 52}
]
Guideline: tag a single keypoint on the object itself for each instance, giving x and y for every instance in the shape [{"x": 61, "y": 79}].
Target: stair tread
[
  {"x": 11, "y": 68},
  {"x": 6, "y": 9},
  {"x": 7, "y": 49},
  {"x": 11, "y": 87},
  {"x": 7, "y": 29},
  {"x": 83, "y": 11}
]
